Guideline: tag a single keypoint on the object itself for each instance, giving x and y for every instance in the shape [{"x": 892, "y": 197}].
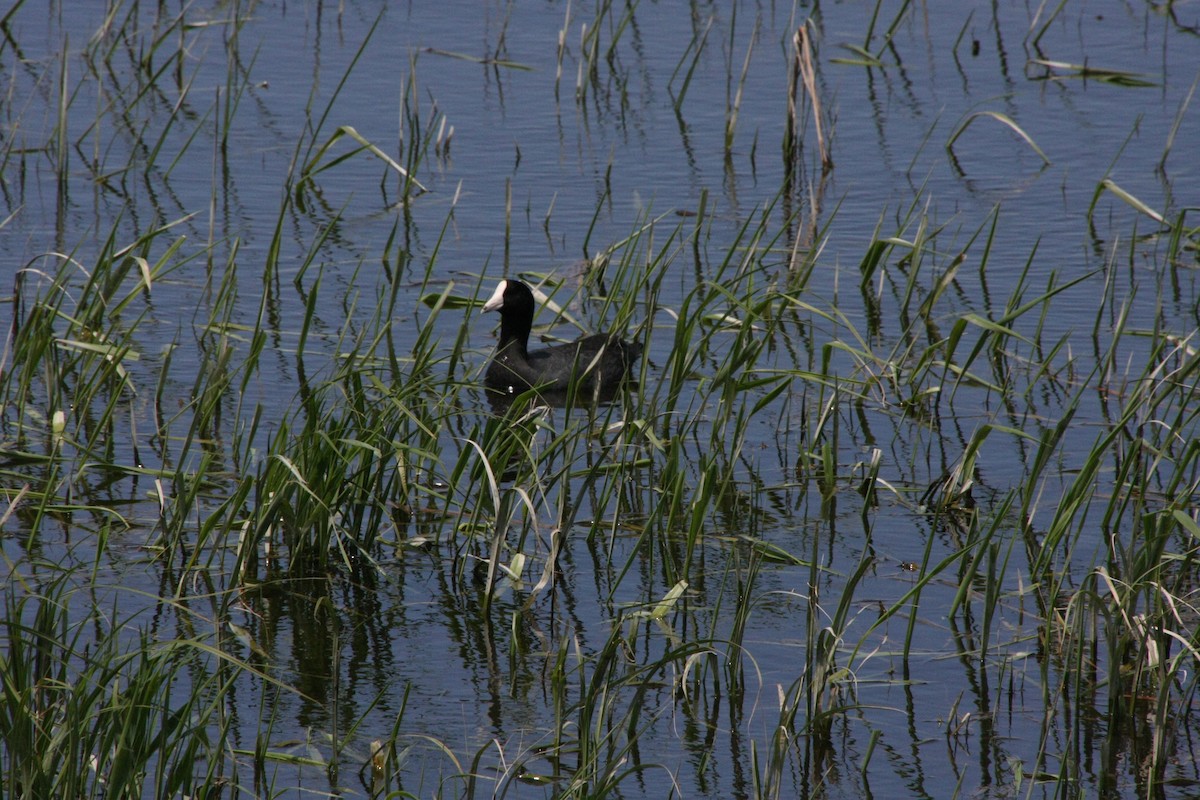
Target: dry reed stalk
[{"x": 804, "y": 64}]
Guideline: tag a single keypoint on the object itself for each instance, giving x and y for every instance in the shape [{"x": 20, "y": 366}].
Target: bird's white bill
[{"x": 497, "y": 298}]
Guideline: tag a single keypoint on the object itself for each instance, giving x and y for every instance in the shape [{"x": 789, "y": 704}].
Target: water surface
[{"x": 530, "y": 169}]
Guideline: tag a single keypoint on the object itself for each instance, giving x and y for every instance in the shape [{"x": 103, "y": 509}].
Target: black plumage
[{"x": 593, "y": 368}]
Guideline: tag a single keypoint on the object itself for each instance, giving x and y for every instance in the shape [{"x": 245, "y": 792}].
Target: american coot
[{"x": 596, "y": 366}]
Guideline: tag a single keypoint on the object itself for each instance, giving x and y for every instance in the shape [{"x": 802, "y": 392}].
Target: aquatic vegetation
[{"x": 263, "y": 531}]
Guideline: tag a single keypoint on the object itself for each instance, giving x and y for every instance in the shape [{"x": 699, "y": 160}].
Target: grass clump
[
  {"x": 93, "y": 706},
  {"x": 823, "y": 501}
]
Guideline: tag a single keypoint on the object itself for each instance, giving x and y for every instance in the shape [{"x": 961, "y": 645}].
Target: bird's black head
[{"x": 512, "y": 298}]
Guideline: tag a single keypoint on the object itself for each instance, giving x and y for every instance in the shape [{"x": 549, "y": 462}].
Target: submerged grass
[
  {"x": 693, "y": 535},
  {"x": 653, "y": 483},
  {"x": 362, "y": 454}
]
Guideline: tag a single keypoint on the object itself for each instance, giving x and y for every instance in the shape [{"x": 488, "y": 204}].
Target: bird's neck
[{"x": 514, "y": 336}]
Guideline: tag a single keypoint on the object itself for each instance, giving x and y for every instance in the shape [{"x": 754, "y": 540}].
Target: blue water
[{"x": 519, "y": 130}]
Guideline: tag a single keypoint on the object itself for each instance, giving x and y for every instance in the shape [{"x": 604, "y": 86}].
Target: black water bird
[{"x": 591, "y": 369}]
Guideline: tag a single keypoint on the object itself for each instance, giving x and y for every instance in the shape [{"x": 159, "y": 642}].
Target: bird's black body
[{"x": 591, "y": 369}]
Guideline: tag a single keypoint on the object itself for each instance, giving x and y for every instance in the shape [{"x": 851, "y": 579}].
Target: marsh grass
[
  {"x": 667, "y": 511},
  {"x": 378, "y": 441},
  {"x": 123, "y": 714}
]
